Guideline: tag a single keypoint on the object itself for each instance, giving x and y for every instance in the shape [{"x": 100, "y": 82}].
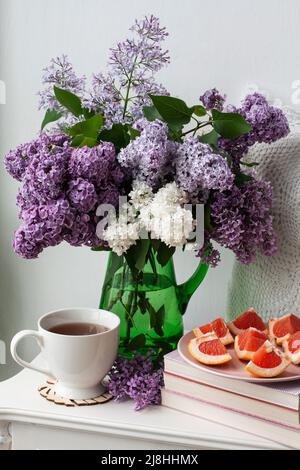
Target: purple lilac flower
[
  {"x": 82, "y": 195},
  {"x": 136, "y": 379},
  {"x": 148, "y": 156},
  {"x": 142, "y": 90},
  {"x": 61, "y": 189},
  {"x": 93, "y": 164},
  {"x": 143, "y": 53},
  {"x": 268, "y": 125},
  {"x": 105, "y": 98},
  {"x": 82, "y": 231},
  {"x": 198, "y": 168},
  {"x": 132, "y": 66},
  {"x": 208, "y": 253},
  {"x": 45, "y": 173},
  {"x": 16, "y": 161},
  {"x": 43, "y": 226},
  {"x": 110, "y": 195},
  {"x": 212, "y": 99},
  {"x": 60, "y": 73},
  {"x": 243, "y": 221}
]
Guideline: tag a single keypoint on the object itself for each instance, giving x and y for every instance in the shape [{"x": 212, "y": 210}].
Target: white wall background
[{"x": 227, "y": 44}]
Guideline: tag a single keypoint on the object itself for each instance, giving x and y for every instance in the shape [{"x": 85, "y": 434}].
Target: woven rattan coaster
[{"x": 46, "y": 391}]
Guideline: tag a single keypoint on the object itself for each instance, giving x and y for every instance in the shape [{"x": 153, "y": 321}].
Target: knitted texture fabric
[{"x": 272, "y": 284}]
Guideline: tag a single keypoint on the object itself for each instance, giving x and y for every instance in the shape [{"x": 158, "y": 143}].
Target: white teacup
[{"x": 77, "y": 362}]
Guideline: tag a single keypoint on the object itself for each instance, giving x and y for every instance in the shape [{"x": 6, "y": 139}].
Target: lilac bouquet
[{"x": 124, "y": 135}]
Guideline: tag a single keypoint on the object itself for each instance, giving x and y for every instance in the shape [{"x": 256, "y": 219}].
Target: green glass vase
[{"x": 149, "y": 306}]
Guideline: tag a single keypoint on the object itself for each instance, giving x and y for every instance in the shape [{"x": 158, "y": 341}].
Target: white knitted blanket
[{"x": 272, "y": 284}]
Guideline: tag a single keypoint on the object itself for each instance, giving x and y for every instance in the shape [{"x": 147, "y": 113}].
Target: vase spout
[{"x": 187, "y": 289}]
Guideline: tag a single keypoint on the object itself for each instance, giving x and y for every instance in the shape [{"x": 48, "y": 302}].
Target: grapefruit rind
[
  {"x": 258, "y": 371},
  {"x": 226, "y": 339},
  {"x": 244, "y": 354},
  {"x": 193, "y": 348},
  {"x": 237, "y": 331},
  {"x": 273, "y": 337},
  {"x": 293, "y": 356}
]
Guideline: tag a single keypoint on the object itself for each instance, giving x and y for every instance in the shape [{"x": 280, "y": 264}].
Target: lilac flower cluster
[
  {"x": 242, "y": 220},
  {"x": 61, "y": 188},
  {"x": 148, "y": 156},
  {"x": 198, "y": 168},
  {"x": 268, "y": 125},
  {"x": 212, "y": 99},
  {"x": 60, "y": 73},
  {"x": 136, "y": 379},
  {"x": 124, "y": 91},
  {"x": 208, "y": 253}
]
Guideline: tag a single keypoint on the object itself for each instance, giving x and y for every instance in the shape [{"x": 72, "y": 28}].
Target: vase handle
[{"x": 187, "y": 288}]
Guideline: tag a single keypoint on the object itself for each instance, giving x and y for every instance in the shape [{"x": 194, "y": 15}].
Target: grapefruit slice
[
  {"x": 282, "y": 328},
  {"x": 219, "y": 327},
  {"x": 245, "y": 321},
  {"x": 208, "y": 349},
  {"x": 291, "y": 347},
  {"x": 248, "y": 342},
  {"x": 267, "y": 361}
]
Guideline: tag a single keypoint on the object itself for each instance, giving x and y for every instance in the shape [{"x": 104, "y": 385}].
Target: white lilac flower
[
  {"x": 166, "y": 219},
  {"x": 121, "y": 236},
  {"x": 141, "y": 194}
]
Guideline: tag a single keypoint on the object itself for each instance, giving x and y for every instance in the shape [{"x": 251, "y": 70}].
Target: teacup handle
[{"x": 13, "y": 349}]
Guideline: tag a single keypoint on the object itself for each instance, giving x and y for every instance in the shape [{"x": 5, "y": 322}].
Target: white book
[
  {"x": 232, "y": 401},
  {"x": 233, "y": 419},
  {"x": 285, "y": 394}
]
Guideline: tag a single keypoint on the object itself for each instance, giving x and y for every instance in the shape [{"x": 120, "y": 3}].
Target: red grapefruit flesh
[
  {"x": 291, "y": 347},
  {"x": 267, "y": 361},
  {"x": 282, "y": 328},
  {"x": 208, "y": 349},
  {"x": 248, "y": 342},
  {"x": 219, "y": 327},
  {"x": 245, "y": 321}
]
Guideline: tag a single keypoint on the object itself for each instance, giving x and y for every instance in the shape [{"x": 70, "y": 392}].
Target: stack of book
[{"x": 267, "y": 410}]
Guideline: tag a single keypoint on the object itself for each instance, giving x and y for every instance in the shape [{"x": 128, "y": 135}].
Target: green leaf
[
  {"x": 164, "y": 253},
  {"x": 210, "y": 138},
  {"x": 118, "y": 135},
  {"x": 134, "y": 133},
  {"x": 88, "y": 113},
  {"x": 89, "y": 128},
  {"x": 81, "y": 140},
  {"x": 136, "y": 255},
  {"x": 51, "y": 116},
  {"x": 142, "y": 303},
  {"x": 160, "y": 315},
  {"x": 250, "y": 164},
  {"x": 151, "y": 113},
  {"x": 230, "y": 125},
  {"x": 155, "y": 243},
  {"x": 172, "y": 110},
  {"x": 141, "y": 251},
  {"x": 70, "y": 101},
  {"x": 198, "y": 110},
  {"x": 137, "y": 342},
  {"x": 101, "y": 248},
  {"x": 241, "y": 178},
  {"x": 152, "y": 315},
  {"x": 164, "y": 348}
]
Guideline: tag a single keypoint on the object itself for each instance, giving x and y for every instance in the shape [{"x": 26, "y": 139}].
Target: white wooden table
[{"x": 33, "y": 423}]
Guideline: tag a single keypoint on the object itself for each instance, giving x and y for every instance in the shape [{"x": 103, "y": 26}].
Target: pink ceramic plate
[{"x": 235, "y": 368}]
